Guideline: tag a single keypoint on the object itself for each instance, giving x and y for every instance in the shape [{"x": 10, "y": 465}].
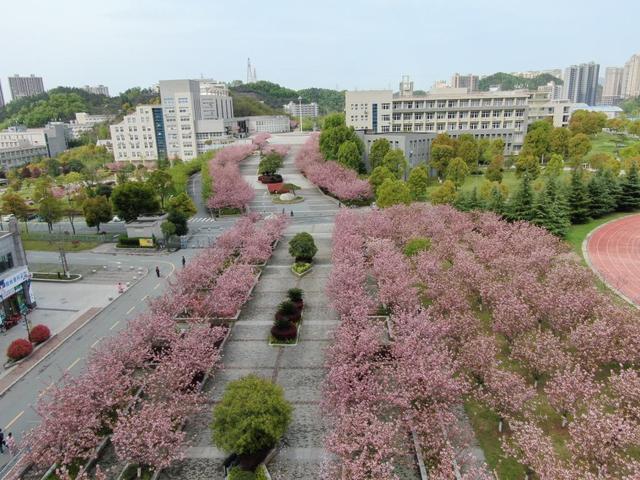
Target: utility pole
[{"x": 63, "y": 261}]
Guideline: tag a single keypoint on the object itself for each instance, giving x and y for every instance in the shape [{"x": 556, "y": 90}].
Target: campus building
[
  {"x": 261, "y": 123},
  {"x": 53, "y": 137},
  {"x": 543, "y": 107},
  {"x": 612, "y": 90},
  {"x": 194, "y": 116},
  {"x": 85, "y": 122},
  {"x": 25, "y": 86},
  {"x": 454, "y": 111},
  {"x": 15, "y": 280},
  {"x": 415, "y": 146},
  {"x": 97, "y": 89},
  {"x": 470, "y": 82},
  {"x": 305, "y": 110},
  {"x": 140, "y": 137}
]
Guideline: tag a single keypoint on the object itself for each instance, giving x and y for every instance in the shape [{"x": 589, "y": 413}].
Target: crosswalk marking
[{"x": 202, "y": 219}]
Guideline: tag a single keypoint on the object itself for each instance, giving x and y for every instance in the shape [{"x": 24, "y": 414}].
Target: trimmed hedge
[{"x": 19, "y": 348}]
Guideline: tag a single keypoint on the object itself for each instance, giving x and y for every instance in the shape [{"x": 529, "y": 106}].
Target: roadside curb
[
  {"x": 92, "y": 311},
  {"x": 587, "y": 259}
]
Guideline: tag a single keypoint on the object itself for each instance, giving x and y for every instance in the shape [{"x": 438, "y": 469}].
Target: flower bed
[
  {"x": 300, "y": 269},
  {"x": 342, "y": 183},
  {"x": 168, "y": 363},
  {"x": 495, "y": 317}
]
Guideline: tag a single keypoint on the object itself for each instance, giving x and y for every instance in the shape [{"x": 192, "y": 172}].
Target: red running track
[{"x": 614, "y": 252}]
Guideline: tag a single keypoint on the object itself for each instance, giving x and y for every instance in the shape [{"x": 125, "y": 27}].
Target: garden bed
[
  {"x": 302, "y": 273},
  {"x": 275, "y": 199},
  {"x": 54, "y": 277},
  {"x": 12, "y": 363}
]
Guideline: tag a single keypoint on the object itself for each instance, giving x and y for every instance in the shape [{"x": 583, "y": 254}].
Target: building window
[
  {"x": 484, "y": 125},
  {"x": 396, "y": 128},
  {"x": 441, "y": 127},
  {"x": 385, "y": 128},
  {"x": 475, "y": 103},
  {"x": 474, "y": 114},
  {"x": 440, "y": 115},
  {"x": 507, "y": 113},
  {"x": 408, "y": 104},
  {"x": 451, "y": 103},
  {"x": 386, "y": 118},
  {"x": 407, "y": 116},
  {"x": 464, "y": 103},
  {"x": 486, "y": 113},
  {"x": 429, "y": 115},
  {"x": 417, "y": 127},
  {"x": 496, "y": 124},
  {"x": 418, "y": 115},
  {"x": 497, "y": 102},
  {"x": 442, "y": 103},
  {"x": 396, "y": 116},
  {"x": 452, "y": 126},
  {"x": 463, "y": 115},
  {"x": 451, "y": 115},
  {"x": 429, "y": 127},
  {"x": 386, "y": 106},
  {"x": 431, "y": 104},
  {"x": 473, "y": 126},
  {"x": 419, "y": 104},
  {"x": 519, "y": 113},
  {"x": 486, "y": 102}
]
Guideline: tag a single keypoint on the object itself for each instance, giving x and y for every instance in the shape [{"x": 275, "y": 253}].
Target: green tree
[
  {"x": 393, "y": 192},
  {"x": 602, "y": 198},
  {"x": 578, "y": 198},
  {"x": 270, "y": 164},
  {"x": 162, "y": 183},
  {"x": 416, "y": 245},
  {"x": 50, "y": 209},
  {"x": 604, "y": 161},
  {"x": 183, "y": 204},
  {"x": 96, "y": 210},
  {"x": 418, "y": 183},
  {"x": 527, "y": 164},
  {"x": 521, "y": 204},
  {"x": 445, "y": 193},
  {"x": 554, "y": 167},
  {"x": 587, "y": 123},
  {"x": 132, "y": 199},
  {"x": 168, "y": 230},
  {"x": 550, "y": 210},
  {"x": 579, "y": 146},
  {"x": 332, "y": 138},
  {"x": 536, "y": 142},
  {"x": 629, "y": 198},
  {"x": 467, "y": 149},
  {"x": 14, "y": 204},
  {"x": 379, "y": 149},
  {"x": 441, "y": 155},
  {"x": 333, "y": 120},
  {"x": 495, "y": 169},
  {"x": 179, "y": 220},
  {"x": 468, "y": 201},
  {"x": 379, "y": 175},
  {"x": 252, "y": 416},
  {"x": 496, "y": 201},
  {"x": 302, "y": 247},
  {"x": 349, "y": 155},
  {"x": 457, "y": 171},
  {"x": 395, "y": 161},
  {"x": 559, "y": 141}
]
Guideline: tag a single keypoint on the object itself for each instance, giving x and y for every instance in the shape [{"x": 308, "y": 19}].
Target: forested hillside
[{"x": 512, "y": 82}]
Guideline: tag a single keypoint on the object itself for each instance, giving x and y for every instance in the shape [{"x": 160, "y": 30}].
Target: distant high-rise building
[
  {"x": 25, "y": 86},
  {"x": 470, "y": 82},
  {"x": 1, "y": 97},
  {"x": 612, "y": 90},
  {"x": 296, "y": 109},
  {"x": 631, "y": 77},
  {"x": 194, "y": 115},
  {"x": 97, "y": 89},
  {"x": 581, "y": 83}
]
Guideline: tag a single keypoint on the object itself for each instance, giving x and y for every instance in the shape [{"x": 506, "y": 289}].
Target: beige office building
[
  {"x": 453, "y": 111},
  {"x": 631, "y": 77},
  {"x": 139, "y": 137},
  {"x": 612, "y": 89},
  {"x": 543, "y": 107}
]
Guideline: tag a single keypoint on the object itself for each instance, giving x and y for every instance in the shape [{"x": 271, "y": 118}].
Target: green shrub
[
  {"x": 261, "y": 473},
  {"x": 287, "y": 308},
  {"x": 416, "y": 245},
  {"x": 302, "y": 247},
  {"x": 252, "y": 416},
  {"x": 295, "y": 294},
  {"x": 236, "y": 474},
  {"x": 301, "y": 267}
]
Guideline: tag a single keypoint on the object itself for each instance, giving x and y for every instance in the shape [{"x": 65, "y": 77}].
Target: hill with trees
[
  {"x": 276, "y": 96},
  {"x": 506, "y": 81},
  {"x": 61, "y": 104}
]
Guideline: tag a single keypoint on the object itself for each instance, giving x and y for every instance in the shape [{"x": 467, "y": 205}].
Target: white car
[
  {"x": 115, "y": 219},
  {"x": 6, "y": 218}
]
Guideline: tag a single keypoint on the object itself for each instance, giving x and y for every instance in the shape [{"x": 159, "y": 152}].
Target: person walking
[
  {"x": 11, "y": 444},
  {"x": 184, "y": 261},
  {"x": 1, "y": 441},
  {"x": 158, "y": 271}
]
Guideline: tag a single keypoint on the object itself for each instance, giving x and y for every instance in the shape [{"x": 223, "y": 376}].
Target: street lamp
[{"x": 300, "y": 111}]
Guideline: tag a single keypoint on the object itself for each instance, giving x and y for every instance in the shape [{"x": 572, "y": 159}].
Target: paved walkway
[
  {"x": 299, "y": 369},
  {"x": 613, "y": 252}
]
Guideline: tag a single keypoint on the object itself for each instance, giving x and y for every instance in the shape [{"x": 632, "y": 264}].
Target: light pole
[{"x": 300, "y": 111}]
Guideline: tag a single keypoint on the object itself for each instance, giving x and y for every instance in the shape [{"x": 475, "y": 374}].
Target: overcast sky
[{"x": 343, "y": 44}]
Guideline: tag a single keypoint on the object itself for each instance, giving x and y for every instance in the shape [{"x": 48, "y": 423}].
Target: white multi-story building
[
  {"x": 581, "y": 83},
  {"x": 85, "y": 122},
  {"x": 543, "y": 107},
  {"x": 140, "y": 137},
  {"x": 97, "y": 89},
  {"x": 453, "y": 111},
  {"x": 21, "y": 153},
  {"x": 612, "y": 90},
  {"x": 305, "y": 110},
  {"x": 53, "y": 138},
  {"x": 194, "y": 116},
  {"x": 470, "y": 82},
  {"x": 25, "y": 86},
  {"x": 555, "y": 91}
]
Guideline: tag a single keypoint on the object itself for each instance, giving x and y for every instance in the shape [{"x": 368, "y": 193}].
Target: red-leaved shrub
[
  {"x": 19, "y": 348},
  {"x": 40, "y": 333}
]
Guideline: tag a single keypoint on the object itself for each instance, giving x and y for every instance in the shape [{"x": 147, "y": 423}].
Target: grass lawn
[
  {"x": 47, "y": 246},
  {"x": 577, "y": 233},
  {"x": 609, "y": 143}
]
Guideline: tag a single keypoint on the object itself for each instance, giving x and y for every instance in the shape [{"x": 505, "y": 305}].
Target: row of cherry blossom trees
[
  {"x": 494, "y": 313},
  {"x": 141, "y": 385},
  {"x": 341, "y": 182},
  {"x": 230, "y": 190}
]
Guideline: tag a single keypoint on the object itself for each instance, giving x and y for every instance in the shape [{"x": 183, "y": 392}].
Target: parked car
[
  {"x": 115, "y": 219},
  {"x": 6, "y": 218}
]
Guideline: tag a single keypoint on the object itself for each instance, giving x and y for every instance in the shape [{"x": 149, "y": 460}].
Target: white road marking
[
  {"x": 75, "y": 362},
  {"x": 95, "y": 343},
  {"x": 131, "y": 310},
  {"x": 114, "y": 325},
  {"x": 14, "y": 420}
]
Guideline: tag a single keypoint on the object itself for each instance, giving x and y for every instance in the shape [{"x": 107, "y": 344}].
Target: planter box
[
  {"x": 300, "y": 275},
  {"x": 12, "y": 363},
  {"x": 298, "y": 329}
]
